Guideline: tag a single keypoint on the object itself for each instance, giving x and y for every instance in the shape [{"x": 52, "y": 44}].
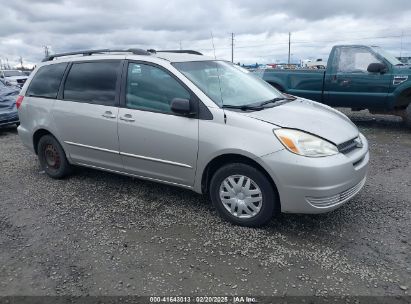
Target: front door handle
[
  {"x": 108, "y": 114},
  {"x": 127, "y": 117}
]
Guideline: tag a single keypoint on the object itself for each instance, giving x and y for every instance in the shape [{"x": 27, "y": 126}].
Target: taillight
[{"x": 19, "y": 101}]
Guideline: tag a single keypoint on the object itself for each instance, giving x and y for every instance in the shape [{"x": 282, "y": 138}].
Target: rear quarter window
[
  {"x": 47, "y": 81},
  {"x": 92, "y": 82}
]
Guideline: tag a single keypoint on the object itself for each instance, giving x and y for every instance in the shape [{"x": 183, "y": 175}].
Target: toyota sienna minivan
[{"x": 183, "y": 119}]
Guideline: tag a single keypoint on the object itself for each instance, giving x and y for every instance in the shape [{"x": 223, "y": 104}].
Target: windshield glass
[
  {"x": 226, "y": 84},
  {"x": 391, "y": 58},
  {"x": 12, "y": 73}
]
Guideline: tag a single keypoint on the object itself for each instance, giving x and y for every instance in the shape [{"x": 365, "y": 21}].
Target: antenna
[
  {"x": 46, "y": 51},
  {"x": 402, "y": 35},
  {"x": 212, "y": 42},
  {"x": 289, "y": 48},
  {"x": 232, "y": 47}
]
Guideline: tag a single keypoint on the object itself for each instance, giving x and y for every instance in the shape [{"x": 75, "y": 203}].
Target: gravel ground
[{"x": 97, "y": 233}]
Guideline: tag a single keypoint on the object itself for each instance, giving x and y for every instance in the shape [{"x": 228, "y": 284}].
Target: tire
[
  {"x": 52, "y": 157},
  {"x": 238, "y": 211},
  {"x": 407, "y": 118}
]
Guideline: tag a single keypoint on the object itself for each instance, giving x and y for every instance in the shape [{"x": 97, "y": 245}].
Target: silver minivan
[{"x": 183, "y": 119}]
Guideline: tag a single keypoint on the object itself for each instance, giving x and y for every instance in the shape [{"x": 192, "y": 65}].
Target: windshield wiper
[
  {"x": 274, "y": 100},
  {"x": 277, "y": 99},
  {"x": 244, "y": 107}
]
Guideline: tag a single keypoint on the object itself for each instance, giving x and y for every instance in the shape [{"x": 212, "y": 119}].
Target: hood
[
  {"x": 16, "y": 78},
  {"x": 311, "y": 117}
]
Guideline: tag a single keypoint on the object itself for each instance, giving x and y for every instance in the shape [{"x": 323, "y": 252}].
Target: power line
[{"x": 312, "y": 42}]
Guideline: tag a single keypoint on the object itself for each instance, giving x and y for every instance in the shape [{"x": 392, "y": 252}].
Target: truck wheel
[
  {"x": 243, "y": 195},
  {"x": 52, "y": 157},
  {"x": 407, "y": 118}
]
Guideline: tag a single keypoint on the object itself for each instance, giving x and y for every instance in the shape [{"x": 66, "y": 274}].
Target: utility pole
[
  {"x": 181, "y": 46},
  {"x": 289, "y": 47},
  {"x": 232, "y": 47},
  {"x": 21, "y": 63}
]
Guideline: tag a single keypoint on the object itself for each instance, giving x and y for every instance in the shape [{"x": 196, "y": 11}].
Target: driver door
[{"x": 351, "y": 85}]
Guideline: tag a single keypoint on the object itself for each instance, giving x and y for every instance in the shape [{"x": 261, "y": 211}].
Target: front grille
[
  {"x": 348, "y": 146},
  {"x": 330, "y": 201}
]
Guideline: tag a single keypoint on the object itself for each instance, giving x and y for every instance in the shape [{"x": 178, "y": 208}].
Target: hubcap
[
  {"x": 52, "y": 157},
  {"x": 241, "y": 196}
]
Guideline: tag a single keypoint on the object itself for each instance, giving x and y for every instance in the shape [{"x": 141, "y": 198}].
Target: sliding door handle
[
  {"x": 127, "y": 117},
  {"x": 108, "y": 114}
]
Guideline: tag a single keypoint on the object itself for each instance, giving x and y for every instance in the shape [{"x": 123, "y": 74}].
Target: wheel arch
[
  {"x": 39, "y": 133},
  {"x": 403, "y": 98},
  {"x": 229, "y": 158},
  {"x": 276, "y": 85}
]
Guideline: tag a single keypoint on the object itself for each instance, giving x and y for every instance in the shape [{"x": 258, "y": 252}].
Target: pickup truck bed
[{"x": 304, "y": 83}]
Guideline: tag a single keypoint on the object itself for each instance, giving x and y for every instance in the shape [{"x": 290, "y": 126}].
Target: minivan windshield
[{"x": 229, "y": 85}]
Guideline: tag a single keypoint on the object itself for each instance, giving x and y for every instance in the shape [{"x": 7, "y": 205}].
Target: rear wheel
[
  {"x": 243, "y": 195},
  {"x": 52, "y": 157}
]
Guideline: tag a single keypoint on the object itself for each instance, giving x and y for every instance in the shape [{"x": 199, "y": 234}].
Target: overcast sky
[{"x": 261, "y": 26}]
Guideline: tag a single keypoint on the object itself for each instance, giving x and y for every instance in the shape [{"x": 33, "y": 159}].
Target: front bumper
[{"x": 317, "y": 185}]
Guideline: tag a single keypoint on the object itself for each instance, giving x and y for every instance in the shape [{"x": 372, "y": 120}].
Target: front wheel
[
  {"x": 52, "y": 157},
  {"x": 243, "y": 195}
]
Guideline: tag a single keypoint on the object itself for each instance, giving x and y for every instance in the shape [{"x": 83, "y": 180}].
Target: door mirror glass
[
  {"x": 376, "y": 67},
  {"x": 181, "y": 106}
]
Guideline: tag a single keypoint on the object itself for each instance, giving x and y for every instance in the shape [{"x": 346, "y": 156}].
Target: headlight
[{"x": 305, "y": 144}]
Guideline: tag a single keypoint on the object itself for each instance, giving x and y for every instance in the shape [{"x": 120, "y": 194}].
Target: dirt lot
[{"x": 101, "y": 234}]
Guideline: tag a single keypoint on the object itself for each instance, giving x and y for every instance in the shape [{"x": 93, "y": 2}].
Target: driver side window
[
  {"x": 152, "y": 89},
  {"x": 355, "y": 60}
]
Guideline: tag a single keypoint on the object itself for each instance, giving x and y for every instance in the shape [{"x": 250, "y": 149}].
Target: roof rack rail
[
  {"x": 90, "y": 52},
  {"x": 176, "y": 51}
]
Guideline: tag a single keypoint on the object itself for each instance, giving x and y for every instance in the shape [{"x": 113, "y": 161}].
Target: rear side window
[
  {"x": 92, "y": 82},
  {"x": 47, "y": 81}
]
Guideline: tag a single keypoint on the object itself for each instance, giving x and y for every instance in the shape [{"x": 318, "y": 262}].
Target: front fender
[{"x": 395, "y": 95}]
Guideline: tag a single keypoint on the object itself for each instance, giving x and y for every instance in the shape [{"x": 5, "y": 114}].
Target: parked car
[
  {"x": 13, "y": 77},
  {"x": 194, "y": 122},
  {"x": 8, "y": 110},
  {"x": 357, "y": 77}
]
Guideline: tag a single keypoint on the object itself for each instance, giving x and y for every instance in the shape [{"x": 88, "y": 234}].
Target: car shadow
[
  {"x": 8, "y": 130},
  {"x": 289, "y": 224},
  {"x": 365, "y": 120}
]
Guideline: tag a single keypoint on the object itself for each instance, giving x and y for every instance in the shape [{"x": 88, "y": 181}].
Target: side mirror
[
  {"x": 181, "y": 106},
  {"x": 377, "y": 68}
]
